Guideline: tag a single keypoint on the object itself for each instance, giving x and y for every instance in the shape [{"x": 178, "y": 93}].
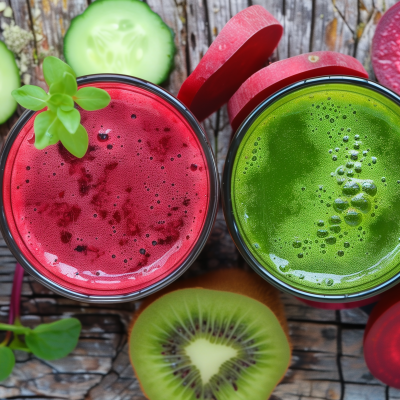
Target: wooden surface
[{"x": 327, "y": 360}]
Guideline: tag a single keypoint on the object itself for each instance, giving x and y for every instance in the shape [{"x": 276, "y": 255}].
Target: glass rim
[
  {"x": 227, "y": 201},
  {"x": 202, "y": 237}
]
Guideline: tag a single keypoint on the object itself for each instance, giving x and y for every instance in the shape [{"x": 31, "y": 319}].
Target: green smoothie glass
[{"x": 311, "y": 189}]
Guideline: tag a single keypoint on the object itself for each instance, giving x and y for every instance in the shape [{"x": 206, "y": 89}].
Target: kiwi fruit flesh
[{"x": 199, "y": 343}]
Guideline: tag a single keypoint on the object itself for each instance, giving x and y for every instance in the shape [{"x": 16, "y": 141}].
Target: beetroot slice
[
  {"x": 340, "y": 306},
  {"x": 382, "y": 338},
  {"x": 386, "y": 49},
  {"x": 285, "y": 72},
  {"x": 242, "y": 47}
]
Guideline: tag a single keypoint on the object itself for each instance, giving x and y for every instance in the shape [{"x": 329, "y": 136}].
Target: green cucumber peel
[
  {"x": 61, "y": 120},
  {"x": 49, "y": 341}
]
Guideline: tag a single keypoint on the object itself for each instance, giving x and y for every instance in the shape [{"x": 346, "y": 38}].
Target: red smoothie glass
[{"x": 126, "y": 219}]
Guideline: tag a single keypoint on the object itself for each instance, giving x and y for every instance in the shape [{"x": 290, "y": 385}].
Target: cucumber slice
[
  {"x": 9, "y": 80},
  {"x": 120, "y": 36}
]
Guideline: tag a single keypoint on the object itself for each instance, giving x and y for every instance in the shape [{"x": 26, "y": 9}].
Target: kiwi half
[{"x": 199, "y": 343}]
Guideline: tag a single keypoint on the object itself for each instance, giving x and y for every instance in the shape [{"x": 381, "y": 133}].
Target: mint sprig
[
  {"x": 61, "y": 120},
  {"x": 47, "y": 341}
]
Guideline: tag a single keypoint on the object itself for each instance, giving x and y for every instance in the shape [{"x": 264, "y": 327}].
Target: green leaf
[
  {"x": 76, "y": 143},
  {"x": 91, "y": 99},
  {"x": 31, "y": 97},
  {"x": 45, "y": 129},
  {"x": 54, "y": 69},
  {"x": 60, "y": 100},
  {"x": 67, "y": 85},
  {"x": 7, "y": 362},
  {"x": 70, "y": 119},
  {"x": 55, "y": 340}
]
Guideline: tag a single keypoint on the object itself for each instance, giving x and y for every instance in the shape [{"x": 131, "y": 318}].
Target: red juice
[{"x": 123, "y": 217}]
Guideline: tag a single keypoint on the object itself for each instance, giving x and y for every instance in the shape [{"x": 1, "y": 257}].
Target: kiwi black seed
[{"x": 208, "y": 344}]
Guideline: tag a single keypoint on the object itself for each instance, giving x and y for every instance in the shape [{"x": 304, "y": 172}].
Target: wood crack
[
  {"x": 356, "y": 34},
  {"x": 32, "y": 30},
  {"x": 207, "y": 23},
  {"x": 313, "y": 6},
  {"x": 342, "y": 17},
  {"x": 339, "y": 356},
  {"x": 187, "y": 50}
]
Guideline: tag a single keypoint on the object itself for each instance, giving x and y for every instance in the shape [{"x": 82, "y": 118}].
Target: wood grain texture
[{"x": 327, "y": 360}]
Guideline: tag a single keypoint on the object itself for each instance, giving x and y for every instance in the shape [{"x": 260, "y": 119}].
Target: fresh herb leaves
[
  {"x": 32, "y": 97},
  {"x": 90, "y": 98},
  {"x": 47, "y": 341},
  {"x": 62, "y": 120},
  {"x": 55, "y": 340},
  {"x": 7, "y": 362}
]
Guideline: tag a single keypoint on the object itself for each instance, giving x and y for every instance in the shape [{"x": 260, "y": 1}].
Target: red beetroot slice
[
  {"x": 386, "y": 49},
  {"x": 382, "y": 338},
  {"x": 242, "y": 47},
  {"x": 285, "y": 72}
]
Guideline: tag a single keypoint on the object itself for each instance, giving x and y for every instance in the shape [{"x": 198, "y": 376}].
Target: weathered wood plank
[
  {"x": 364, "y": 392},
  {"x": 173, "y": 12},
  {"x": 323, "y": 364},
  {"x": 354, "y": 316},
  {"x": 82, "y": 364},
  {"x": 299, "y": 311},
  {"x": 21, "y": 12},
  {"x": 5, "y": 17},
  {"x": 394, "y": 394},
  {"x": 51, "y": 21},
  {"x": 352, "y": 361},
  {"x": 219, "y": 251},
  {"x": 335, "y": 23},
  {"x": 302, "y": 386},
  {"x": 313, "y": 337},
  {"x": 6, "y": 29},
  {"x": 198, "y": 34},
  {"x": 370, "y": 14}
]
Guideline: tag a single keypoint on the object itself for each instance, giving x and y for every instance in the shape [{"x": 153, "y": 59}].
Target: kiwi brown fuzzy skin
[{"x": 233, "y": 280}]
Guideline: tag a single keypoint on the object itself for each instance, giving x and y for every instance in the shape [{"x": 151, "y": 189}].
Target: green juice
[{"x": 315, "y": 189}]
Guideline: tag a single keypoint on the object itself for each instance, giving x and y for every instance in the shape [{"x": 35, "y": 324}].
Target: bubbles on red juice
[
  {"x": 102, "y": 199},
  {"x": 102, "y": 136}
]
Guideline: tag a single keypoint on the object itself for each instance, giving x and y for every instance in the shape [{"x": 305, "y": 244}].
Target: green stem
[
  {"x": 22, "y": 348},
  {"x": 19, "y": 330}
]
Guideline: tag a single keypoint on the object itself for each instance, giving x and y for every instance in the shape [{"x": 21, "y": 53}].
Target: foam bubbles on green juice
[{"x": 316, "y": 178}]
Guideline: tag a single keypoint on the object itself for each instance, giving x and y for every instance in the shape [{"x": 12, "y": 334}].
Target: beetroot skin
[
  {"x": 381, "y": 339},
  {"x": 386, "y": 49},
  {"x": 242, "y": 47},
  {"x": 285, "y": 72}
]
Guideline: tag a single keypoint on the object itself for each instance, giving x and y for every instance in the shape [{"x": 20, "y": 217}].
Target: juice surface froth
[
  {"x": 125, "y": 215},
  {"x": 316, "y": 189}
]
